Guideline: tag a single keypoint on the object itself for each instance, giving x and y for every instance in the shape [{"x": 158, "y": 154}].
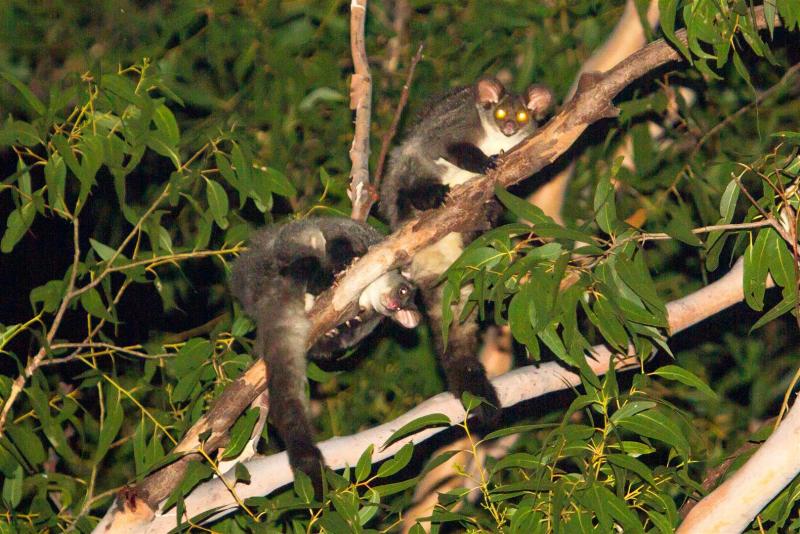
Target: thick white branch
[
  {"x": 734, "y": 504},
  {"x": 272, "y": 472}
]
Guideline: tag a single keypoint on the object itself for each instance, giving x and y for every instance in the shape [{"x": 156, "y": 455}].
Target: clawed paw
[
  {"x": 493, "y": 162},
  {"x": 333, "y": 332}
]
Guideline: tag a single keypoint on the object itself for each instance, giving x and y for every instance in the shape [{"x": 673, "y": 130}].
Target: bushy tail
[{"x": 282, "y": 335}]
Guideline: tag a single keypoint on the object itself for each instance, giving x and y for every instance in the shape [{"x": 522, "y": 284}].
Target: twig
[
  {"x": 734, "y": 227},
  {"x": 402, "y": 14},
  {"x": 591, "y": 103},
  {"x": 361, "y": 193},
  {"x": 271, "y": 472},
  {"x": 389, "y": 135},
  {"x": 36, "y": 361}
]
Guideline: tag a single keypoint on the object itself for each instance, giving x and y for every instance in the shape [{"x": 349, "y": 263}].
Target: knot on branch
[{"x": 360, "y": 88}]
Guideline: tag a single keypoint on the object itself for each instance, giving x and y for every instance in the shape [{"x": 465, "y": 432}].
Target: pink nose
[{"x": 509, "y": 127}]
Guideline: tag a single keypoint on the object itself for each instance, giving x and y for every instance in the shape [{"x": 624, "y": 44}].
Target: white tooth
[{"x": 357, "y": 318}]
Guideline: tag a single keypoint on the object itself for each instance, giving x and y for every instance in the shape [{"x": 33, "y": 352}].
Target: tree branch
[
  {"x": 734, "y": 504},
  {"x": 461, "y": 213},
  {"x": 361, "y": 193},
  {"x": 387, "y": 139},
  {"x": 271, "y": 472}
]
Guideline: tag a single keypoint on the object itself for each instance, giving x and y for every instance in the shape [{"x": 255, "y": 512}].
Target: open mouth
[{"x": 407, "y": 318}]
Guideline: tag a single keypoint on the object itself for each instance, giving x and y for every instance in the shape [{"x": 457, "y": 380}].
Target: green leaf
[
  {"x": 369, "y": 510},
  {"x": 28, "y": 443},
  {"x": 275, "y": 181},
  {"x": 680, "y": 228},
  {"x": 17, "y": 224},
  {"x": 51, "y": 426},
  {"x": 31, "y": 99},
  {"x": 241, "y": 434},
  {"x": 668, "y": 9},
  {"x": 321, "y": 94},
  {"x": 242, "y": 166},
  {"x": 104, "y": 251},
  {"x": 784, "y": 306},
  {"x": 55, "y": 175},
  {"x": 633, "y": 465},
  {"x": 756, "y": 266},
  {"x": 303, "y": 486},
  {"x": 396, "y": 463},
  {"x": 605, "y": 209},
  {"x": 618, "y": 509},
  {"x": 661, "y": 522},
  {"x": 606, "y": 320},
  {"x": 519, "y": 319},
  {"x": 93, "y": 304},
  {"x": 385, "y": 490},
  {"x": 166, "y": 124},
  {"x": 653, "y": 424},
  {"x": 110, "y": 425},
  {"x": 241, "y": 473},
  {"x": 65, "y": 151},
  {"x": 49, "y": 294},
  {"x": 727, "y": 206},
  {"x": 679, "y": 374},
  {"x": 161, "y": 147},
  {"x": 364, "y": 464},
  {"x": 12, "y": 488},
  {"x": 630, "y": 408},
  {"x": 434, "y": 419},
  {"x": 781, "y": 264},
  {"x": 218, "y": 203},
  {"x": 522, "y": 208},
  {"x": 186, "y": 385}
]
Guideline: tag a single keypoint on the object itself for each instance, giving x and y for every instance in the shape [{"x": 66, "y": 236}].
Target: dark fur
[
  {"x": 450, "y": 128},
  {"x": 271, "y": 280}
]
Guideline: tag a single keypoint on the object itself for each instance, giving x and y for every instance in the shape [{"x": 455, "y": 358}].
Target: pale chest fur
[
  {"x": 432, "y": 261},
  {"x": 493, "y": 142}
]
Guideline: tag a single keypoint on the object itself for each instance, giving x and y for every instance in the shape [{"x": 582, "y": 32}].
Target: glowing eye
[
  {"x": 403, "y": 291},
  {"x": 500, "y": 113},
  {"x": 522, "y": 116}
]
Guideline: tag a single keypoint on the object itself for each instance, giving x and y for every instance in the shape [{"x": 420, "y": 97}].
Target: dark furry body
[
  {"x": 271, "y": 281},
  {"x": 449, "y": 129}
]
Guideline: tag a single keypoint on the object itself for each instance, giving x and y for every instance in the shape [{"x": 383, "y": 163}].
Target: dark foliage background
[{"x": 267, "y": 83}]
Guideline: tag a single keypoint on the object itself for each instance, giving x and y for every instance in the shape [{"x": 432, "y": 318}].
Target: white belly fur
[
  {"x": 493, "y": 143},
  {"x": 435, "y": 259}
]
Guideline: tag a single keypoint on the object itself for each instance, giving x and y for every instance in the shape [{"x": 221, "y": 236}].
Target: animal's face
[
  {"x": 399, "y": 297},
  {"x": 511, "y": 113},
  {"x": 400, "y": 303},
  {"x": 392, "y": 295}
]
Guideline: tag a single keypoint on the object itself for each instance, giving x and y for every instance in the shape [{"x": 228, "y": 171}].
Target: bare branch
[
  {"x": 462, "y": 213},
  {"x": 361, "y": 193},
  {"x": 387, "y": 139},
  {"x": 628, "y": 36},
  {"x": 271, "y": 472}
]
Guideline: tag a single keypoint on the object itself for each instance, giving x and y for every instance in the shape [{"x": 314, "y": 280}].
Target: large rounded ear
[
  {"x": 538, "y": 99},
  {"x": 489, "y": 91}
]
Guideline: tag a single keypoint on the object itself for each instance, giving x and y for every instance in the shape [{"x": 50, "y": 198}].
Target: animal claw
[
  {"x": 332, "y": 332},
  {"x": 347, "y": 323}
]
